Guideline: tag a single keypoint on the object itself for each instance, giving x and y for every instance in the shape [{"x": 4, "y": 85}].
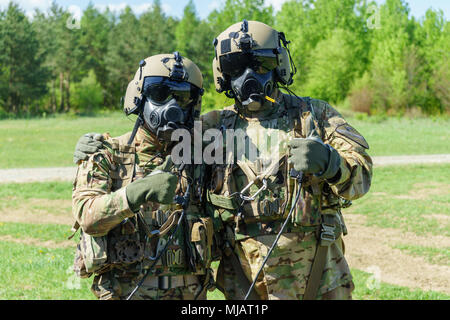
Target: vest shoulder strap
[
  {"x": 124, "y": 159},
  {"x": 228, "y": 118}
]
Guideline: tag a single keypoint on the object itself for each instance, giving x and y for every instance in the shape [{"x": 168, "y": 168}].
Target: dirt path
[
  {"x": 371, "y": 249},
  {"x": 68, "y": 173},
  {"x": 40, "y": 211}
]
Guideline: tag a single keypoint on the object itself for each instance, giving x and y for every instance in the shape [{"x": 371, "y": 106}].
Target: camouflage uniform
[
  {"x": 287, "y": 271},
  {"x": 116, "y": 243}
]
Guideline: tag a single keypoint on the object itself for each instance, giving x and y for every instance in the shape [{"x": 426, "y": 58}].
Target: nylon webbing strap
[
  {"x": 312, "y": 287},
  {"x": 327, "y": 236},
  {"x": 240, "y": 274}
]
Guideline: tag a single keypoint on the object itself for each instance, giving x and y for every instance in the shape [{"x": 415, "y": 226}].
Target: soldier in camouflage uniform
[
  {"x": 250, "y": 195},
  {"x": 123, "y": 202},
  {"x": 251, "y": 199}
]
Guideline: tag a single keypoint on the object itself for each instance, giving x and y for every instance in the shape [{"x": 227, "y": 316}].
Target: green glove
[
  {"x": 311, "y": 155},
  {"x": 166, "y": 166},
  {"x": 157, "y": 187},
  {"x": 87, "y": 144}
]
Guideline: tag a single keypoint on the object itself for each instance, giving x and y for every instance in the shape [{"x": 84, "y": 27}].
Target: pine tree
[
  {"x": 21, "y": 69},
  {"x": 123, "y": 56}
]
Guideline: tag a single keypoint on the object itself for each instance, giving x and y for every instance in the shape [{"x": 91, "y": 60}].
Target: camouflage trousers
[
  {"x": 286, "y": 272},
  {"x": 108, "y": 287}
]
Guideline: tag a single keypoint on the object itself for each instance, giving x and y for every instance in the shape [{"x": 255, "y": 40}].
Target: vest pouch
[
  {"x": 202, "y": 237},
  {"x": 307, "y": 211},
  {"x": 78, "y": 264},
  {"x": 94, "y": 252}
]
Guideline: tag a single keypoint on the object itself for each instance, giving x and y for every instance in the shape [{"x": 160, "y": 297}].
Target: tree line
[{"x": 354, "y": 53}]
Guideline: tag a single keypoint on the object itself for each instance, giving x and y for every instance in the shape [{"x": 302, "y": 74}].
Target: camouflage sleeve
[
  {"x": 210, "y": 120},
  {"x": 356, "y": 165},
  {"x": 94, "y": 206}
]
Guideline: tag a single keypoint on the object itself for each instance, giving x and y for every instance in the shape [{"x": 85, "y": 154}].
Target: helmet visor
[
  {"x": 261, "y": 61},
  {"x": 160, "y": 90}
]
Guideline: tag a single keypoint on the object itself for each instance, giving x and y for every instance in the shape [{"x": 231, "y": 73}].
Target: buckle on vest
[
  {"x": 252, "y": 198},
  {"x": 327, "y": 234},
  {"x": 164, "y": 282}
]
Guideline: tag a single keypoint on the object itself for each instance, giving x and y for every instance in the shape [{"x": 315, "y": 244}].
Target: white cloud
[
  {"x": 76, "y": 12},
  {"x": 166, "y": 8},
  {"x": 118, "y": 7},
  {"x": 28, "y": 6},
  {"x": 213, "y": 5},
  {"x": 276, "y": 4}
]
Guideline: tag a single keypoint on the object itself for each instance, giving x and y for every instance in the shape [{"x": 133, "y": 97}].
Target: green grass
[
  {"x": 407, "y": 198},
  {"x": 37, "y": 190},
  {"x": 367, "y": 288},
  {"x": 32, "y": 272},
  {"x": 37, "y": 197},
  {"x": 433, "y": 255},
  {"x": 394, "y": 136},
  {"x": 43, "y": 232},
  {"x": 35, "y": 273},
  {"x": 50, "y": 142}
]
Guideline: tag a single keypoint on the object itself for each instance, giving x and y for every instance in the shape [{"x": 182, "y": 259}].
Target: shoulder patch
[{"x": 349, "y": 132}]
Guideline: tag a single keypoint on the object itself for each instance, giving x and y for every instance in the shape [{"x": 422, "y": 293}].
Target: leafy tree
[
  {"x": 123, "y": 56},
  {"x": 156, "y": 33},
  {"x": 307, "y": 23},
  {"x": 235, "y": 11},
  {"x": 390, "y": 46},
  {"x": 433, "y": 41},
  {"x": 21, "y": 69},
  {"x": 193, "y": 40},
  {"x": 87, "y": 95},
  {"x": 332, "y": 67},
  {"x": 94, "y": 43}
]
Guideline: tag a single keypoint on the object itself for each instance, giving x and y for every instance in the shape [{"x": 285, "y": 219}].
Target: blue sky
[{"x": 204, "y": 7}]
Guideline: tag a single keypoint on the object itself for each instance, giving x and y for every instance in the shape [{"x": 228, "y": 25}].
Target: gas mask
[
  {"x": 252, "y": 88},
  {"x": 163, "y": 119},
  {"x": 251, "y": 76},
  {"x": 168, "y": 105}
]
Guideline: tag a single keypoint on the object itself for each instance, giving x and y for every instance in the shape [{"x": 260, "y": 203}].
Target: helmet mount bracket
[{"x": 177, "y": 72}]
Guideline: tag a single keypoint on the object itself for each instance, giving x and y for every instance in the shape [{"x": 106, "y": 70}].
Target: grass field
[
  {"x": 403, "y": 222},
  {"x": 398, "y": 244},
  {"x": 50, "y": 142}
]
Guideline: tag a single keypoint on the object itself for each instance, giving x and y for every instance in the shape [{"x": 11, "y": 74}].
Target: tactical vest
[
  {"x": 274, "y": 196},
  {"x": 128, "y": 247}
]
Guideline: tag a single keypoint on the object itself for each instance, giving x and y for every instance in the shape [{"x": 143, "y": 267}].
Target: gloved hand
[
  {"x": 311, "y": 155},
  {"x": 166, "y": 166},
  {"x": 157, "y": 187},
  {"x": 87, "y": 144}
]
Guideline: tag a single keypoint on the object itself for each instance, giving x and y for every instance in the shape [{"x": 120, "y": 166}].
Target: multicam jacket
[
  {"x": 267, "y": 137},
  {"x": 260, "y": 171},
  {"x": 112, "y": 236}
]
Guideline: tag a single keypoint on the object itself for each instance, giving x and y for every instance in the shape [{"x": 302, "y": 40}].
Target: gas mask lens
[
  {"x": 161, "y": 90},
  {"x": 261, "y": 61}
]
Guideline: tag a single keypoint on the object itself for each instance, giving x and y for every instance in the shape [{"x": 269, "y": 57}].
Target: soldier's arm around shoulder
[
  {"x": 354, "y": 177},
  {"x": 95, "y": 207}
]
